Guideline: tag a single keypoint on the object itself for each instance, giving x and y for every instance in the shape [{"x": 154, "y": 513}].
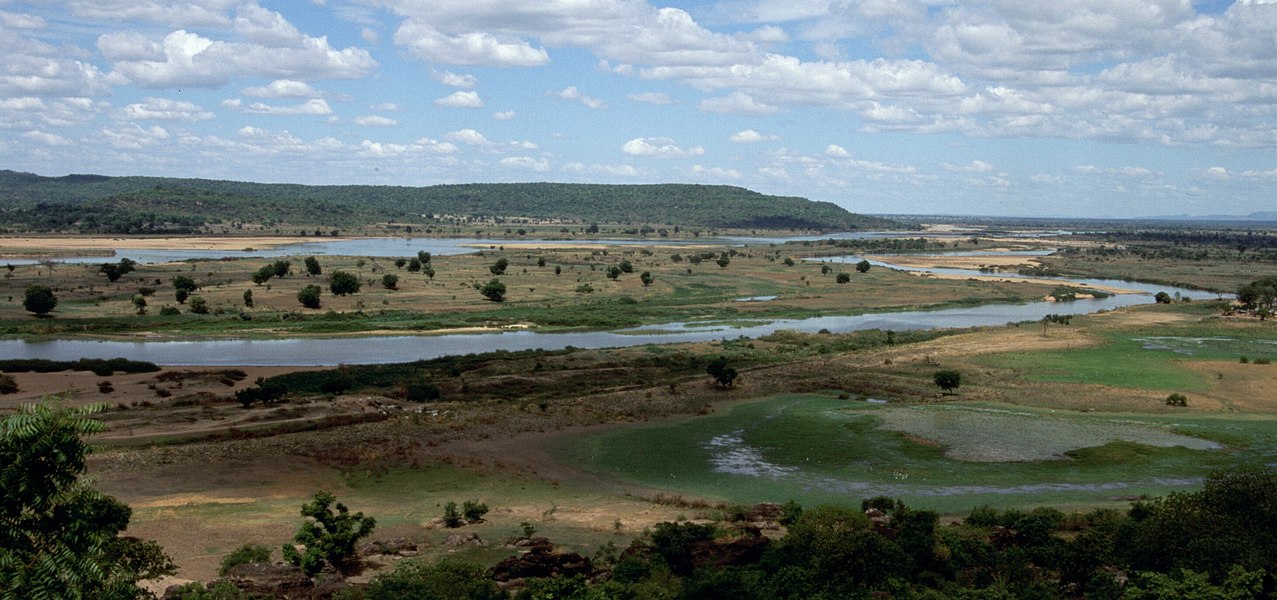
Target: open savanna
[
  {"x": 591, "y": 446},
  {"x": 548, "y": 287}
]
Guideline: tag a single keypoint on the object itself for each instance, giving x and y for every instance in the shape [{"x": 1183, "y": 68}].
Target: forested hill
[{"x": 97, "y": 203}]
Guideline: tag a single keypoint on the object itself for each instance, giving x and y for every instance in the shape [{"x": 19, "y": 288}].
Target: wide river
[{"x": 391, "y": 349}]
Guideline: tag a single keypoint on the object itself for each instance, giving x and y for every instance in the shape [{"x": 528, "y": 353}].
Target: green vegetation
[
  {"x": 342, "y": 283},
  {"x": 98, "y": 366},
  {"x": 59, "y": 537},
  {"x": 329, "y": 535},
  {"x": 133, "y": 205},
  {"x": 1121, "y": 361},
  {"x": 815, "y": 448},
  {"x": 947, "y": 380},
  {"x": 248, "y": 553},
  {"x": 39, "y": 299}
]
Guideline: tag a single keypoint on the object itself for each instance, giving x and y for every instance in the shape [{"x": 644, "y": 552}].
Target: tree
[
  {"x": 423, "y": 256},
  {"x": 312, "y": 266},
  {"x": 499, "y": 267},
  {"x": 414, "y": 265},
  {"x": 309, "y": 296},
  {"x": 826, "y": 269},
  {"x": 400, "y": 262},
  {"x": 60, "y": 537},
  {"x": 390, "y": 281},
  {"x": 329, "y": 535},
  {"x": 947, "y": 380},
  {"x": 429, "y": 271},
  {"x": 139, "y": 303},
  {"x": 39, "y": 299},
  {"x": 647, "y": 278},
  {"x": 114, "y": 271},
  {"x": 493, "y": 290},
  {"x": 341, "y": 283},
  {"x": 843, "y": 278},
  {"x": 199, "y": 305},
  {"x": 1162, "y": 298},
  {"x": 724, "y": 375},
  {"x": 181, "y": 295},
  {"x": 1259, "y": 295},
  {"x": 282, "y": 267},
  {"x": 184, "y": 282},
  {"x": 474, "y": 510},
  {"x": 626, "y": 266},
  {"x": 863, "y": 266},
  {"x": 723, "y": 261},
  {"x": 448, "y": 579},
  {"x": 248, "y": 298},
  {"x": 613, "y": 272},
  {"x": 263, "y": 274}
]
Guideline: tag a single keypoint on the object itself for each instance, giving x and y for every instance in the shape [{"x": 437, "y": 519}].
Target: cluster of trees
[{"x": 1259, "y": 296}]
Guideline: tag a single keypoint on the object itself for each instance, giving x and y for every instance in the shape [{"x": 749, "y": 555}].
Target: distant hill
[{"x": 98, "y": 203}]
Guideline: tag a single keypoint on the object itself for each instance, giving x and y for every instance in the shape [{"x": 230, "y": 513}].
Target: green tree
[
  {"x": 390, "y": 281},
  {"x": 423, "y": 256},
  {"x": 723, "y": 260},
  {"x": 947, "y": 380},
  {"x": 863, "y": 266},
  {"x": 414, "y": 265},
  {"x": 309, "y": 296},
  {"x": 263, "y": 274},
  {"x": 647, "y": 278},
  {"x": 451, "y": 516},
  {"x": 342, "y": 283},
  {"x": 474, "y": 510},
  {"x": 724, "y": 375},
  {"x": 400, "y": 262},
  {"x": 282, "y": 268},
  {"x": 329, "y": 535},
  {"x": 184, "y": 282},
  {"x": 613, "y": 272},
  {"x": 843, "y": 278},
  {"x": 39, "y": 299},
  {"x": 493, "y": 290},
  {"x": 429, "y": 271},
  {"x": 139, "y": 303},
  {"x": 626, "y": 266},
  {"x": 59, "y": 537},
  {"x": 248, "y": 298},
  {"x": 199, "y": 305},
  {"x": 499, "y": 267},
  {"x": 248, "y": 553},
  {"x": 312, "y": 266}
]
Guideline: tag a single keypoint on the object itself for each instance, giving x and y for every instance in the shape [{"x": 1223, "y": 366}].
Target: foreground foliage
[{"x": 59, "y": 537}]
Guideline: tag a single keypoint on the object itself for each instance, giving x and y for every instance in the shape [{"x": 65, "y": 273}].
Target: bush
[
  {"x": 199, "y": 305},
  {"x": 449, "y": 579},
  {"x": 329, "y": 535},
  {"x": 248, "y": 553},
  {"x": 39, "y": 299},
  {"x": 1263, "y": 361},
  {"x": 843, "y": 278},
  {"x": 342, "y": 283},
  {"x": 474, "y": 511},
  {"x": 390, "y": 281},
  {"x": 451, "y": 518},
  {"x": 169, "y": 311},
  {"x": 309, "y": 296},
  {"x": 494, "y": 290},
  {"x": 947, "y": 380},
  {"x": 8, "y": 385},
  {"x": 1177, "y": 399}
]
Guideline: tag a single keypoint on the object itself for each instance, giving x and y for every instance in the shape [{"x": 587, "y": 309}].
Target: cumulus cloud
[
  {"x": 737, "y": 103},
  {"x": 46, "y": 138},
  {"x": 836, "y": 151},
  {"x": 273, "y": 48},
  {"x": 316, "y": 106},
  {"x": 659, "y": 147},
  {"x": 526, "y": 163},
  {"x": 470, "y": 137},
  {"x": 454, "y": 80},
  {"x": 426, "y": 42},
  {"x": 504, "y": 115},
  {"x": 657, "y": 98},
  {"x": 571, "y": 93},
  {"x": 21, "y": 21},
  {"x": 164, "y": 109},
  {"x": 715, "y": 172},
  {"x": 460, "y": 100},
  {"x": 282, "y": 88},
  {"x": 975, "y": 166},
  {"x": 375, "y": 121},
  {"x": 749, "y": 136}
]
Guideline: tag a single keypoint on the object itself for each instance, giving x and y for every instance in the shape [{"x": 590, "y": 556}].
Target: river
[{"x": 391, "y": 349}]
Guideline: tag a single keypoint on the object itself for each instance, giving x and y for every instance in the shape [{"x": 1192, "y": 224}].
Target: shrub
[
  {"x": 248, "y": 553},
  {"x": 39, "y": 299},
  {"x": 843, "y": 278},
  {"x": 342, "y": 283},
  {"x": 1263, "y": 361},
  {"x": 494, "y": 290},
  {"x": 199, "y": 305},
  {"x": 105, "y": 387},
  {"x": 474, "y": 510},
  {"x": 169, "y": 311},
  {"x": 1177, "y": 399},
  {"x": 390, "y": 281},
  {"x": 447, "y": 579},
  {"x": 451, "y": 518},
  {"x": 8, "y": 385},
  {"x": 329, "y": 535},
  {"x": 309, "y": 296},
  {"x": 947, "y": 380}
]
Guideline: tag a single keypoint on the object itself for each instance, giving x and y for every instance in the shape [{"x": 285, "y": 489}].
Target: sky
[{"x": 1092, "y": 108}]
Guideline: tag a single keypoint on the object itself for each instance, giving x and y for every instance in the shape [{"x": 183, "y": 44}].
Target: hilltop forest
[{"x": 141, "y": 205}]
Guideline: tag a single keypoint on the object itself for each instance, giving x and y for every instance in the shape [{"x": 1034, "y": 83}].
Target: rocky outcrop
[{"x": 541, "y": 561}]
